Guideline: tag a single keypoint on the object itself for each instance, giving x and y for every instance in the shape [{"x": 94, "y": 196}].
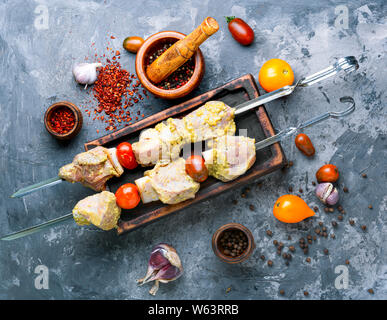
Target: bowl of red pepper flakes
[
  {"x": 182, "y": 81},
  {"x": 63, "y": 120}
]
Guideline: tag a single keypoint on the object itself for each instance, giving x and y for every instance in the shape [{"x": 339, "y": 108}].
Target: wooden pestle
[{"x": 181, "y": 51}]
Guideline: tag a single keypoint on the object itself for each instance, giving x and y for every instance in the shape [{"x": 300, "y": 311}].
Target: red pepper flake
[
  {"x": 62, "y": 120},
  {"x": 114, "y": 91},
  {"x": 112, "y": 37}
]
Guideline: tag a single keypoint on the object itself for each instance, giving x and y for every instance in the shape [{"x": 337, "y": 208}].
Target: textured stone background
[{"x": 88, "y": 263}]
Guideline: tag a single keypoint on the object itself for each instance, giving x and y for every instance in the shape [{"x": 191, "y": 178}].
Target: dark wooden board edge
[{"x": 275, "y": 162}]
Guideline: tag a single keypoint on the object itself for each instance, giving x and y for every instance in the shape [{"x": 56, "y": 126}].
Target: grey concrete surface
[{"x": 86, "y": 263}]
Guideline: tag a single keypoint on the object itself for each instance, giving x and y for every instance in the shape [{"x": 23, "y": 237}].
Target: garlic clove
[
  {"x": 164, "y": 266},
  {"x": 327, "y": 193},
  {"x": 86, "y": 73},
  {"x": 333, "y": 198},
  {"x": 157, "y": 260},
  {"x": 168, "y": 273}
]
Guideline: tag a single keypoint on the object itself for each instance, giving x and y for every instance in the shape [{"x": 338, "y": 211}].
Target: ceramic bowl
[
  {"x": 219, "y": 251},
  {"x": 152, "y": 44},
  {"x": 77, "y": 124}
]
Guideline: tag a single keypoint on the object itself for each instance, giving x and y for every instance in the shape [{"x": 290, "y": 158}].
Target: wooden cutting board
[{"x": 256, "y": 122}]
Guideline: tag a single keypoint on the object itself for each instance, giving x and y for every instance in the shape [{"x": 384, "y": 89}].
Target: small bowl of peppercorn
[
  {"x": 63, "y": 120},
  {"x": 233, "y": 243},
  {"x": 182, "y": 81}
]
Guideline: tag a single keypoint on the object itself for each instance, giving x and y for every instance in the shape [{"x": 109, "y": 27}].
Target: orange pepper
[{"x": 291, "y": 209}]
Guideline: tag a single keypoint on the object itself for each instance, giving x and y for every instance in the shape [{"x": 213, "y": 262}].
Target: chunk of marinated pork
[
  {"x": 230, "y": 157},
  {"x": 167, "y": 182},
  {"x": 213, "y": 119},
  {"x": 99, "y": 209},
  {"x": 93, "y": 168}
]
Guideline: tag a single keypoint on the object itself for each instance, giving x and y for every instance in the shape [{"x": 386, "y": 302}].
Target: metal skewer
[
  {"x": 347, "y": 64},
  {"x": 35, "y": 187},
  {"x": 259, "y": 145},
  {"x": 37, "y": 228},
  {"x": 291, "y": 130}
]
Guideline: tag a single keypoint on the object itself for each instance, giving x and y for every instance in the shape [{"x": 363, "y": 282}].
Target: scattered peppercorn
[
  {"x": 315, "y": 209},
  {"x": 252, "y": 208},
  {"x": 269, "y": 233},
  {"x": 306, "y": 293},
  {"x": 347, "y": 261},
  {"x": 313, "y": 183},
  {"x": 326, "y": 209},
  {"x": 270, "y": 263},
  {"x": 263, "y": 257},
  {"x": 308, "y": 260},
  {"x": 371, "y": 291},
  {"x": 364, "y": 175},
  {"x": 300, "y": 190},
  {"x": 351, "y": 222},
  {"x": 235, "y": 201},
  {"x": 326, "y": 251},
  {"x": 331, "y": 210},
  {"x": 364, "y": 227},
  {"x": 290, "y": 189},
  {"x": 345, "y": 189},
  {"x": 282, "y": 292},
  {"x": 334, "y": 223},
  {"x": 275, "y": 242},
  {"x": 333, "y": 236},
  {"x": 340, "y": 217},
  {"x": 292, "y": 249},
  {"x": 370, "y": 206}
]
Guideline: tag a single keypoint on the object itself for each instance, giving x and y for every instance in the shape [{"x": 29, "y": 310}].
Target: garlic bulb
[
  {"x": 164, "y": 266},
  {"x": 86, "y": 73}
]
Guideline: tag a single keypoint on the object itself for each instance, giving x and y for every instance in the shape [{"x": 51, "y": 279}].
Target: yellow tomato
[
  {"x": 275, "y": 74},
  {"x": 291, "y": 209}
]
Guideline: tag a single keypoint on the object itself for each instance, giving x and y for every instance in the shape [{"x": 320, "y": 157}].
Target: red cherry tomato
[
  {"x": 304, "y": 144},
  {"x": 327, "y": 173},
  {"x": 196, "y": 168},
  {"x": 240, "y": 30},
  {"x": 127, "y": 196},
  {"x": 126, "y": 156}
]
